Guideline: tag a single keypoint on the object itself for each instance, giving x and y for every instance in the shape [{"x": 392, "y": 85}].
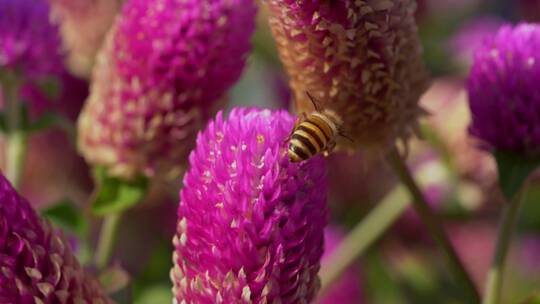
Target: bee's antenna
[
  {"x": 314, "y": 102},
  {"x": 346, "y": 136}
]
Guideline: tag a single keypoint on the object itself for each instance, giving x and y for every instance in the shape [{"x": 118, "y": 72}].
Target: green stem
[
  {"x": 15, "y": 156},
  {"x": 17, "y": 138},
  {"x": 109, "y": 230},
  {"x": 363, "y": 235},
  {"x": 433, "y": 224},
  {"x": 494, "y": 281}
]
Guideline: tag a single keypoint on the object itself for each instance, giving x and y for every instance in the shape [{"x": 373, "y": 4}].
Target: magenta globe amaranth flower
[
  {"x": 503, "y": 90},
  {"x": 28, "y": 42},
  {"x": 36, "y": 262},
  {"x": 250, "y": 226},
  {"x": 159, "y": 78}
]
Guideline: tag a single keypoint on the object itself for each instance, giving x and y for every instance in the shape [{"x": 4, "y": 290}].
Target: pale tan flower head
[{"x": 361, "y": 59}]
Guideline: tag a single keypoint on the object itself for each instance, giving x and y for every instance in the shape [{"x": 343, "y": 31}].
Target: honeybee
[{"x": 314, "y": 133}]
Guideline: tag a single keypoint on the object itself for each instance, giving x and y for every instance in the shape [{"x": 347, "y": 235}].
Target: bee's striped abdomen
[{"x": 309, "y": 138}]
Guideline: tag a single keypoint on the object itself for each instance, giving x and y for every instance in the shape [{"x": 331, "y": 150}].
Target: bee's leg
[
  {"x": 298, "y": 121},
  {"x": 329, "y": 148},
  {"x": 344, "y": 134}
]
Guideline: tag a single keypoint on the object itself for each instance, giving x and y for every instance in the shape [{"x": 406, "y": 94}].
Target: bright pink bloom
[{"x": 250, "y": 223}]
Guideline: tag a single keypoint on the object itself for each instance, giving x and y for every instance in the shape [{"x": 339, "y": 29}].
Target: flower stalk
[
  {"x": 16, "y": 154},
  {"x": 16, "y": 137},
  {"x": 423, "y": 210},
  {"x": 107, "y": 236},
  {"x": 494, "y": 283},
  {"x": 369, "y": 230}
]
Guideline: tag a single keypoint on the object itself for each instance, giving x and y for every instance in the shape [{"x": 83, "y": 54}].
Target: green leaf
[
  {"x": 513, "y": 171},
  {"x": 155, "y": 294},
  {"x": 65, "y": 215},
  {"x": 532, "y": 299},
  {"x": 114, "y": 194}
]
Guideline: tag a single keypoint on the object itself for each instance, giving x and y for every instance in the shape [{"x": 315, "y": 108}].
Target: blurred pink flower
[
  {"x": 42, "y": 182},
  {"x": 250, "y": 223},
  {"x": 164, "y": 69},
  {"x": 346, "y": 290},
  {"x": 471, "y": 34},
  {"x": 529, "y": 251},
  {"x": 446, "y": 100},
  {"x": 28, "y": 42},
  {"x": 83, "y": 26},
  {"x": 37, "y": 263},
  {"x": 474, "y": 244}
]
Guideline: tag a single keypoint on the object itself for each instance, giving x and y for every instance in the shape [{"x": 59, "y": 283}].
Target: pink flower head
[
  {"x": 503, "y": 90},
  {"x": 28, "y": 42},
  {"x": 250, "y": 226},
  {"x": 160, "y": 75},
  {"x": 36, "y": 263}
]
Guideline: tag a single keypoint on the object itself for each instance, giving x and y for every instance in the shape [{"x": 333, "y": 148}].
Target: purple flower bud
[
  {"x": 28, "y": 42},
  {"x": 503, "y": 90},
  {"x": 158, "y": 80},
  {"x": 250, "y": 225},
  {"x": 36, "y": 263}
]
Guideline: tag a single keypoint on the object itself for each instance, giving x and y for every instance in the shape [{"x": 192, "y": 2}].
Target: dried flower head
[
  {"x": 361, "y": 59},
  {"x": 28, "y": 42},
  {"x": 503, "y": 90},
  {"x": 250, "y": 226},
  {"x": 83, "y": 26},
  {"x": 159, "y": 77},
  {"x": 36, "y": 262}
]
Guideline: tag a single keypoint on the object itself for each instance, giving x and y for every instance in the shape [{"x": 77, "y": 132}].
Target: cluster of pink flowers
[{"x": 251, "y": 224}]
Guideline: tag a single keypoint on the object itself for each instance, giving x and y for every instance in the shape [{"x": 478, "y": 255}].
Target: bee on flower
[{"x": 315, "y": 132}]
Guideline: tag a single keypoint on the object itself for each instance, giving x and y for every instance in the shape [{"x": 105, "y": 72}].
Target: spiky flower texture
[
  {"x": 503, "y": 90},
  {"x": 250, "y": 226},
  {"x": 159, "y": 78},
  {"x": 36, "y": 262},
  {"x": 361, "y": 59}
]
